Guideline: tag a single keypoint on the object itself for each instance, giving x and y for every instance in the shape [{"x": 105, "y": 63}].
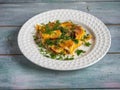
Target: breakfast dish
[
  {"x": 64, "y": 39},
  {"x": 58, "y": 40}
]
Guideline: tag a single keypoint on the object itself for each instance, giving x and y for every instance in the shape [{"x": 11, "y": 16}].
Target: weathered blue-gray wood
[
  {"x": 107, "y": 12},
  {"x": 8, "y": 39},
  {"x": 115, "y": 38},
  {"x": 53, "y": 1},
  {"x": 17, "y": 72},
  {"x": 17, "y": 14}
]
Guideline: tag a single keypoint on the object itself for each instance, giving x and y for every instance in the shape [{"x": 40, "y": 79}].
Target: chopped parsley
[
  {"x": 86, "y": 36},
  {"x": 79, "y": 52},
  {"x": 63, "y": 30},
  {"x": 56, "y": 25},
  {"x": 47, "y": 29},
  {"x": 87, "y": 44},
  {"x": 69, "y": 58},
  {"x": 35, "y": 38},
  {"x": 67, "y": 38},
  {"x": 76, "y": 41},
  {"x": 53, "y": 56},
  {"x": 41, "y": 50},
  {"x": 49, "y": 42},
  {"x": 56, "y": 42},
  {"x": 72, "y": 35},
  {"x": 40, "y": 44},
  {"x": 60, "y": 57}
]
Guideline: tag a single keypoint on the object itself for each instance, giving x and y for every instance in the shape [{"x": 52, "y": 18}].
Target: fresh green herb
[
  {"x": 40, "y": 44},
  {"x": 67, "y": 37},
  {"x": 52, "y": 42},
  {"x": 46, "y": 55},
  {"x": 41, "y": 50},
  {"x": 35, "y": 38},
  {"x": 53, "y": 56},
  {"x": 76, "y": 41},
  {"x": 58, "y": 22},
  {"x": 87, "y": 44},
  {"x": 79, "y": 52},
  {"x": 47, "y": 29},
  {"x": 86, "y": 36},
  {"x": 68, "y": 58},
  {"x": 49, "y": 42},
  {"x": 60, "y": 57},
  {"x": 56, "y": 25},
  {"x": 56, "y": 42},
  {"x": 62, "y": 36},
  {"x": 72, "y": 35},
  {"x": 63, "y": 30},
  {"x": 44, "y": 52}
]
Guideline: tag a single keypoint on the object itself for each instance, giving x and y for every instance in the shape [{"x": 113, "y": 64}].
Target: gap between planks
[
  {"x": 56, "y": 2},
  {"x": 10, "y": 54},
  {"x": 22, "y": 54},
  {"x": 21, "y": 25}
]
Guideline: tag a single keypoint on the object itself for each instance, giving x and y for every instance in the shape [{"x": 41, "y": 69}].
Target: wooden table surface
[{"x": 16, "y": 72}]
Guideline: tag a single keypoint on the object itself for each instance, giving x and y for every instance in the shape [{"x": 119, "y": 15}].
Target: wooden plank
[
  {"x": 107, "y": 12},
  {"x": 115, "y": 38},
  {"x": 8, "y": 39},
  {"x": 53, "y": 1},
  {"x": 16, "y": 72},
  {"x": 17, "y": 14}
]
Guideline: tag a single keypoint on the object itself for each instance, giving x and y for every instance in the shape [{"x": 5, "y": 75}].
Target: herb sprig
[
  {"x": 87, "y": 44},
  {"x": 79, "y": 52}
]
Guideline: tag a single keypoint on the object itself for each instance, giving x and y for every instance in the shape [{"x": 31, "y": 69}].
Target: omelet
[{"x": 62, "y": 37}]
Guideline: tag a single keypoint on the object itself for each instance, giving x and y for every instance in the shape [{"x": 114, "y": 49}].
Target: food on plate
[{"x": 60, "y": 40}]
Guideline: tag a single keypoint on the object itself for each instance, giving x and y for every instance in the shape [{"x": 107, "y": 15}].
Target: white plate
[{"x": 99, "y": 48}]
